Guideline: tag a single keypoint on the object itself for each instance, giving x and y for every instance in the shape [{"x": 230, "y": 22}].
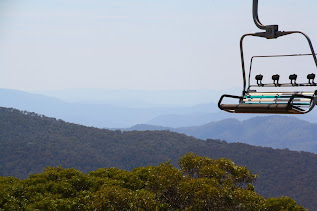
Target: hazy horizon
[{"x": 189, "y": 97}]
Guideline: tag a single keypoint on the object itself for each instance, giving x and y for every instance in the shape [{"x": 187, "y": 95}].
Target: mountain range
[
  {"x": 108, "y": 113},
  {"x": 30, "y": 142},
  {"x": 268, "y": 131},
  {"x": 97, "y": 115}
]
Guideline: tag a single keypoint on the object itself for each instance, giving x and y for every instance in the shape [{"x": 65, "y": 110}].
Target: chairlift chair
[{"x": 276, "y": 102}]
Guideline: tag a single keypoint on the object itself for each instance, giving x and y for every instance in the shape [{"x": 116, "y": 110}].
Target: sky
[{"x": 142, "y": 44}]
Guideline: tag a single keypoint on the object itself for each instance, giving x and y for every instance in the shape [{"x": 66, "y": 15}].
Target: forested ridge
[
  {"x": 31, "y": 142},
  {"x": 275, "y": 131}
]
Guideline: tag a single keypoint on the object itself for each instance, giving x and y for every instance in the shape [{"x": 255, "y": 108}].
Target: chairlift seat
[
  {"x": 259, "y": 108},
  {"x": 271, "y": 102}
]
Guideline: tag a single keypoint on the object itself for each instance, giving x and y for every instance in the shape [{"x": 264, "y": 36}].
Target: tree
[{"x": 200, "y": 183}]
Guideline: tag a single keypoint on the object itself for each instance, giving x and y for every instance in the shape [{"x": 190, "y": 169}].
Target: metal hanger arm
[
  {"x": 271, "y": 30},
  {"x": 256, "y": 16}
]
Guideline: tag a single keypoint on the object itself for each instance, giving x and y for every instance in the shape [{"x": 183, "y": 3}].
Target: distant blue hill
[
  {"x": 121, "y": 116},
  {"x": 200, "y": 118},
  {"x": 98, "y": 115},
  {"x": 194, "y": 119},
  {"x": 145, "y": 98},
  {"x": 268, "y": 131},
  {"x": 116, "y": 114}
]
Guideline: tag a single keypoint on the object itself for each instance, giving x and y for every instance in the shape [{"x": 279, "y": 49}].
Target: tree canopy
[{"x": 200, "y": 183}]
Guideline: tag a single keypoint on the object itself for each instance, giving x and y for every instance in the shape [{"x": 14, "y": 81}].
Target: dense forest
[
  {"x": 31, "y": 142},
  {"x": 200, "y": 183}
]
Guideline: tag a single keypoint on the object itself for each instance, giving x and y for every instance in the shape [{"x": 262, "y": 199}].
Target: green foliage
[
  {"x": 200, "y": 183},
  {"x": 283, "y": 203},
  {"x": 223, "y": 170},
  {"x": 119, "y": 198}
]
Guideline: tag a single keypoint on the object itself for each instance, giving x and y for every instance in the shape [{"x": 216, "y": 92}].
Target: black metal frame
[
  {"x": 312, "y": 103},
  {"x": 263, "y": 35},
  {"x": 271, "y": 32},
  {"x": 292, "y": 84},
  {"x": 231, "y": 96}
]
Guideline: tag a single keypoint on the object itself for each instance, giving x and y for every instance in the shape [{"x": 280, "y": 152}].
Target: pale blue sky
[{"x": 138, "y": 44}]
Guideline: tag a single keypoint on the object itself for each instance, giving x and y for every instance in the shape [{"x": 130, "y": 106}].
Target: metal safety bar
[{"x": 260, "y": 34}]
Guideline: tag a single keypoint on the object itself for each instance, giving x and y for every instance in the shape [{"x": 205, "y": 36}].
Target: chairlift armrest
[
  {"x": 231, "y": 96},
  {"x": 297, "y": 95}
]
